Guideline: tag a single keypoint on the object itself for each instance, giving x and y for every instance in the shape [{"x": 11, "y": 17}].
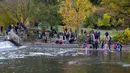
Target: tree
[
  {"x": 75, "y": 12},
  {"x": 18, "y": 11},
  {"x": 5, "y": 19},
  {"x": 91, "y": 21},
  {"x": 118, "y": 9},
  {"x": 46, "y": 12}
]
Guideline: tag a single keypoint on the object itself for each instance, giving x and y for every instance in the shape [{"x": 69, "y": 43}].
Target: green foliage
[
  {"x": 17, "y": 11},
  {"x": 120, "y": 21},
  {"x": 50, "y": 2},
  {"x": 95, "y": 2},
  {"x": 92, "y": 20},
  {"x": 118, "y": 9},
  {"x": 81, "y": 38},
  {"x": 107, "y": 13},
  {"x": 105, "y": 21},
  {"x": 123, "y": 37},
  {"x": 115, "y": 22},
  {"x": 46, "y": 12},
  {"x": 100, "y": 22}
]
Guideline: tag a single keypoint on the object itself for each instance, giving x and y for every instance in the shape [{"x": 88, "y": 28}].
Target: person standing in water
[
  {"x": 109, "y": 39},
  {"x": 85, "y": 45}
]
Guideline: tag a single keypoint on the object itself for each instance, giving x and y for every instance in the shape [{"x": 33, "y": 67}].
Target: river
[{"x": 64, "y": 60}]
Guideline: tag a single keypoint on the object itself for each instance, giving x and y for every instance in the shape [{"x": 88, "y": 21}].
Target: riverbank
[{"x": 53, "y": 45}]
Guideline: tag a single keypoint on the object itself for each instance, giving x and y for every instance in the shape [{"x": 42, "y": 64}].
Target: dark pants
[
  {"x": 109, "y": 45},
  {"x": 95, "y": 44},
  {"x": 45, "y": 40},
  {"x": 71, "y": 41}
]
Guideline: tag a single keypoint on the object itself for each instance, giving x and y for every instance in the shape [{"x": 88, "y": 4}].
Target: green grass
[{"x": 111, "y": 32}]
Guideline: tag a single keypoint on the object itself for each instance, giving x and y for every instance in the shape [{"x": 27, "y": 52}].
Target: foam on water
[
  {"x": 126, "y": 65},
  {"x": 6, "y": 45},
  {"x": 39, "y": 54}
]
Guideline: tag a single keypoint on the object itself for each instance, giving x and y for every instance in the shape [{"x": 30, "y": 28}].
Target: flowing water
[{"x": 64, "y": 60}]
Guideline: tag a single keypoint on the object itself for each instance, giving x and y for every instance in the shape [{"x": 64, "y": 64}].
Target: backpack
[
  {"x": 118, "y": 47},
  {"x": 110, "y": 38}
]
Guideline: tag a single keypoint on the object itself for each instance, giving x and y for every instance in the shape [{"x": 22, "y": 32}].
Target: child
[
  {"x": 115, "y": 46},
  {"x": 61, "y": 42},
  {"x": 85, "y": 45},
  {"x": 119, "y": 47}
]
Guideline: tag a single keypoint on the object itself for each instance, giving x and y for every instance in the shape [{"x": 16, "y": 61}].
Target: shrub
[
  {"x": 123, "y": 37},
  {"x": 81, "y": 38}
]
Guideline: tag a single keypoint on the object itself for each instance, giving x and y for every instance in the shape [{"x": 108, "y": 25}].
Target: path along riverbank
[{"x": 53, "y": 45}]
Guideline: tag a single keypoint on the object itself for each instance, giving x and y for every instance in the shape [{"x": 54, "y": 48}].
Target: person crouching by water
[
  {"x": 85, "y": 45},
  {"x": 60, "y": 42},
  {"x": 118, "y": 46}
]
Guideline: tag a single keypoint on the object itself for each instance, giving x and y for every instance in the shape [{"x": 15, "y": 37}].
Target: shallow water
[{"x": 67, "y": 60}]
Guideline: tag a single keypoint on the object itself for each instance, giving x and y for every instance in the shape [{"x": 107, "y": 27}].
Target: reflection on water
[{"x": 54, "y": 60}]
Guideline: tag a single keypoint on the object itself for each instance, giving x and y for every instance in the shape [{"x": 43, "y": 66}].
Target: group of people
[
  {"x": 19, "y": 27},
  {"x": 117, "y": 46},
  {"x": 67, "y": 36},
  {"x": 96, "y": 42}
]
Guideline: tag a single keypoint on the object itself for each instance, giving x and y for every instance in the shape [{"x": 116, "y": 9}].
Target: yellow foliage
[
  {"x": 117, "y": 6},
  {"x": 75, "y": 12},
  {"x": 127, "y": 32},
  {"x": 17, "y": 12}
]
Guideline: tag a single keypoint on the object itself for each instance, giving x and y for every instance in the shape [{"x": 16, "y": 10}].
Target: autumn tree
[
  {"x": 117, "y": 8},
  {"x": 18, "y": 10},
  {"x": 5, "y": 19},
  {"x": 75, "y": 12}
]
